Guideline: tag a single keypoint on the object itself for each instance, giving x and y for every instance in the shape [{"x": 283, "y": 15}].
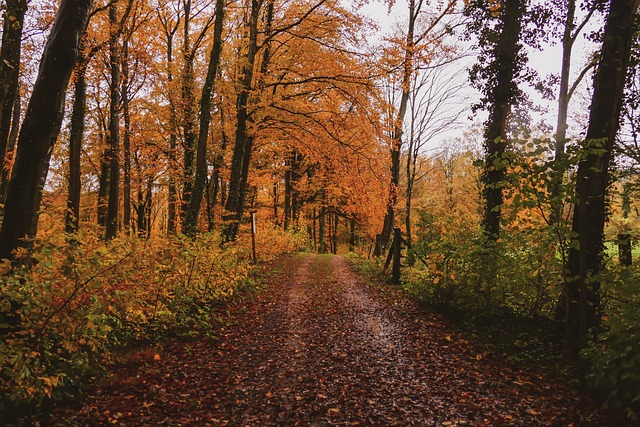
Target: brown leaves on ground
[{"x": 319, "y": 347}]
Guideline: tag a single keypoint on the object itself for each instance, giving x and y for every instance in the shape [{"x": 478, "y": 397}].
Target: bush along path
[{"x": 320, "y": 347}]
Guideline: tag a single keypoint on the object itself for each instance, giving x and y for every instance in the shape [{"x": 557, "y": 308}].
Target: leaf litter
[{"x": 320, "y": 347}]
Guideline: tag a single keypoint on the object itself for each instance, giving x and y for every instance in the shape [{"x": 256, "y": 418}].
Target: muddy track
[{"x": 321, "y": 348}]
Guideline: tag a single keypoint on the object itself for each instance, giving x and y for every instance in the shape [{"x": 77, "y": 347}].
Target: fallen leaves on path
[{"x": 320, "y": 348}]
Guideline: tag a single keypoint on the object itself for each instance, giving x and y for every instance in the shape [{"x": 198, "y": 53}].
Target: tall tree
[
  {"x": 243, "y": 140},
  {"x": 571, "y": 31},
  {"x": 199, "y": 184},
  {"x": 414, "y": 45},
  {"x": 498, "y": 26},
  {"x": 170, "y": 26},
  {"x": 582, "y": 284},
  {"x": 12, "y": 28},
  {"x": 115, "y": 58},
  {"x": 40, "y": 127}
]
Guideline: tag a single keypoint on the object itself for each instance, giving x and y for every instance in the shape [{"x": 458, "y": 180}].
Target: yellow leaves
[
  {"x": 48, "y": 384},
  {"x": 5, "y": 267}
]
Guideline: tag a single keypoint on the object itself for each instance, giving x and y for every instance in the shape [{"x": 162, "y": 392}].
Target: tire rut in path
[{"x": 321, "y": 348}]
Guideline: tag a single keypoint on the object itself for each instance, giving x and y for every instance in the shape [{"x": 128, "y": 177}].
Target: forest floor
[{"x": 319, "y": 347}]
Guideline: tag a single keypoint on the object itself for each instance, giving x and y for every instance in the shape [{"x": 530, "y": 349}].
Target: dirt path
[{"x": 320, "y": 348}]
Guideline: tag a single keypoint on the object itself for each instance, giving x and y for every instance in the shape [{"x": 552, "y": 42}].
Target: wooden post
[
  {"x": 253, "y": 236},
  {"x": 397, "y": 246}
]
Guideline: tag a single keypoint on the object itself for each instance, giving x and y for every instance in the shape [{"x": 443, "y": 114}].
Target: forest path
[{"x": 321, "y": 347}]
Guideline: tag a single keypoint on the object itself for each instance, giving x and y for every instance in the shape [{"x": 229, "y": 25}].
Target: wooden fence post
[
  {"x": 397, "y": 246},
  {"x": 253, "y": 236}
]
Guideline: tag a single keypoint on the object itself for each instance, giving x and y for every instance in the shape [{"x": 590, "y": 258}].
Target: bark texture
[{"x": 41, "y": 127}]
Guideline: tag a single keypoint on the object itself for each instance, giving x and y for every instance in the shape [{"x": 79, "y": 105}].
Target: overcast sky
[{"x": 544, "y": 62}]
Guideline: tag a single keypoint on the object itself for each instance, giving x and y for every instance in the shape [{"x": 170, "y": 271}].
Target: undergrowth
[{"x": 64, "y": 319}]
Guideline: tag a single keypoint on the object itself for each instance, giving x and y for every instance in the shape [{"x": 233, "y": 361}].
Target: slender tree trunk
[
  {"x": 276, "y": 200},
  {"x": 502, "y": 96},
  {"x": 41, "y": 127},
  {"x": 243, "y": 142},
  {"x": 148, "y": 205},
  {"x": 11, "y": 145},
  {"x": 215, "y": 182},
  {"x": 334, "y": 234},
  {"x": 564, "y": 96},
  {"x": 396, "y": 137},
  {"x": 288, "y": 186},
  {"x": 9, "y": 67},
  {"x": 126, "y": 141},
  {"x": 322, "y": 218},
  {"x": 173, "y": 143},
  {"x": 582, "y": 285},
  {"x": 352, "y": 235},
  {"x": 103, "y": 187},
  {"x": 75, "y": 148},
  {"x": 188, "y": 111},
  {"x": 140, "y": 198},
  {"x": 205, "y": 119},
  {"x": 114, "y": 127}
]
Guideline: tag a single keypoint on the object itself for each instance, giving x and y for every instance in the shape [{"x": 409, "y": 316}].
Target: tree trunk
[
  {"x": 564, "y": 96},
  {"x": 334, "y": 234},
  {"x": 215, "y": 182},
  {"x": 103, "y": 187},
  {"x": 243, "y": 142},
  {"x": 41, "y": 127},
  {"x": 188, "y": 111},
  {"x": 75, "y": 149},
  {"x": 114, "y": 127},
  {"x": 396, "y": 137},
  {"x": 13, "y": 139},
  {"x": 126, "y": 141},
  {"x": 582, "y": 284},
  {"x": 502, "y": 94},
  {"x": 148, "y": 206},
  {"x": 352, "y": 235},
  {"x": 288, "y": 188},
  {"x": 9, "y": 67},
  {"x": 173, "y": 143},
  {"x": 322, "y": 243},
  {"x": 205, "y": 119}
]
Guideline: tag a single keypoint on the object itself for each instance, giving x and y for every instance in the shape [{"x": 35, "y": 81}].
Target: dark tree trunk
[
  {"x": 75, "y": 148},
  {"x": 502, "y": 96},
  {"x": 243, "y": 141},
  {"x": 114, "y": 128},
  {"x": 582, "y": 285},
  {"x": 126, "y": 141},
  {"x": 188, "y": 111},
  {"x": 173, "y": 143},
  {"x": 396, "y": 137},
  {"x": 322, "y": 218},
  {"x": 41, "y": 127},
  {"x": 140, "y": 198},
  {"x": 288, "y": 172},
  {"x": 13, "y": 139},
  {"x": 571, "y": 32},
  {"x": 103, "y": 187},
  {"x": 10, "y": 67},
  {"x": 215, "y": 182},
  {"x": 352, "y": 235},
  {"x": 191, "y": 219},
  {"x": 148, "y": 206},
  {"x": 334, "y": 234},
  {"x": 276, "y": 200}
]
